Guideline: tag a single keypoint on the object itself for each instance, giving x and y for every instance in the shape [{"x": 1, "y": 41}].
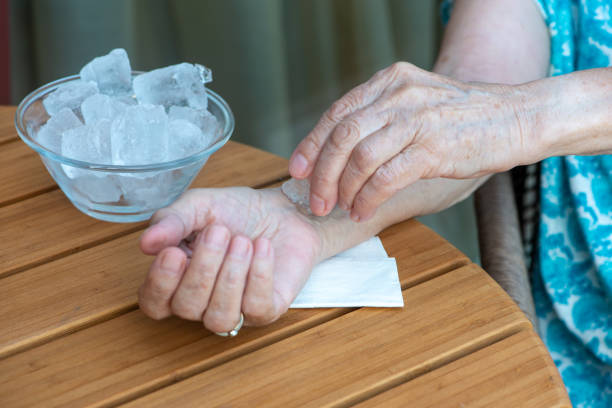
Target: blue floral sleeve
[{"x": 573, "y": 273}]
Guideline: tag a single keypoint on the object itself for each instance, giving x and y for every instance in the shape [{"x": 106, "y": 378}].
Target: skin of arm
[
  {"x": 504, "y": 41},
  {"x": 463, "y": 121}
]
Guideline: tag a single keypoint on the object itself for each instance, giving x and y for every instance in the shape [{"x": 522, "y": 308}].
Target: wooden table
[{"x": 71, "y": 333}]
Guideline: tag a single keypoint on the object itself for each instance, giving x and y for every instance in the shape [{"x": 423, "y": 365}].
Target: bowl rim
[{"x": 43, "y": 90}]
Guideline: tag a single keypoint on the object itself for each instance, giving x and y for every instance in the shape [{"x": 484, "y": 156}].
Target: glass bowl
[{"x": 113, "y": 192}]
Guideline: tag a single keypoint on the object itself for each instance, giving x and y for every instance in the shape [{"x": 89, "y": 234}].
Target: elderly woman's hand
[
  {"x": 220, "y": 252},
  {"x": 406, "y": 124}
]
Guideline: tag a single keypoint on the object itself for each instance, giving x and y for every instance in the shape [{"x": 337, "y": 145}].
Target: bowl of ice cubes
[{"x": 120, "y": 143}]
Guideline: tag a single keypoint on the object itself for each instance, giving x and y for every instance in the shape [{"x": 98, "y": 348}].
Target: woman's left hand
[
  {"x": 223, "y": 252},
  {"x": 407, "y": 124}
]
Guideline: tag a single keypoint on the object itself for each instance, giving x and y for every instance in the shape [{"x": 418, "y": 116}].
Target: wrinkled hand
[
  {"x": 406, "y": 124},
  {"x": 223, "y": 251}
]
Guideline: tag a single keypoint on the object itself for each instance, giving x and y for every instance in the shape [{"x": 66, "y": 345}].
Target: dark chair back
[{"x": 501, "y": 214}]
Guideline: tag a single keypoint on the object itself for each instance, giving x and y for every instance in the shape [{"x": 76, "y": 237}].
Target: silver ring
[{"x": 234, "y": 331}]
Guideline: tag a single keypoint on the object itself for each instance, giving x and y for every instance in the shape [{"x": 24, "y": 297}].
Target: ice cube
[
  {"x": 140, "y": 136},
  {"x": 50, "y": 134},
  {"x": 128, "y": 99},
  {"x": 145, "y": 188},
  {"x": 90, "y": 143},
  {"x": 203, "y": 119},
  {"x": 101, "y": 107},
  {"x": 298, "y": 191},
  {"x": 69, "y": 95},
  {"x": 185, "y": 139},
  {"x": 97, "y": 186},
  {"x": 181, "y": 84},
  {"x": 111, "y": 72}
]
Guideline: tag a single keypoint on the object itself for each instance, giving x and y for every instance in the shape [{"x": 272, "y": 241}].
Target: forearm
[
  {"x": 338, "y": 232},
  {"x": 570, "y": 114},
  {"x": 498, "y": 42}
]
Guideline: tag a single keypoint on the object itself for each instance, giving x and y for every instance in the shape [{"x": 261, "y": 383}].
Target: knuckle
[
  {"x": 310, "y": 145},
  {"x": 347, "y": 103},
  {"x": 364, "y": 156},
  {"x": 319, "y": 180},
  {"x": 384, "y": 176},
  {"x": 155, "y": 289},
  {"x": 361, "y": 202},
  {"x": 260, "y": 272},
  {"x": 396, "y": 69},
  {"x": 184, "y": 311},
  {"x": 233, "y": 280},
  {"x": 337, "y": 109},
  {"x": 195, "y": 287},
  {"x": 345, "y": 133}
]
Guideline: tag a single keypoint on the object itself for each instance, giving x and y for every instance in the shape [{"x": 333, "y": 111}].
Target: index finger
[{"x": 304, "y": 157}]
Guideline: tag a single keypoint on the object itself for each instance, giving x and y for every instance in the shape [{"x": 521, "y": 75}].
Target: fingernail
[
  {"x": 355, "y": 216},
  {"x": 317, "y": 205},
  {"x": 344, "y": 206},
  {"x": 216, "y": 236},
  {"x": 262, "y": 250},
  {"x": 239, "y": 247},
  {"x": 298, "y": 165}
]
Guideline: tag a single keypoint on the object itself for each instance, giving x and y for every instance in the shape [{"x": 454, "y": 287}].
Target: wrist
[
  {"x": 573, "y": 113},
  {"x": 530, "y": 103}
]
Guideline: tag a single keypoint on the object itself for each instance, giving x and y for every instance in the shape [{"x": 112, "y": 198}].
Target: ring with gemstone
[{"x": 234, "y": 331}]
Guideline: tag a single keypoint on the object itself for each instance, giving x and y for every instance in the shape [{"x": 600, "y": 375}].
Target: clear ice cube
[
  {"x": 101, "y": 107},
  {"x": 140, "y": 136},
  {"x": 50, "y": 134},
  {"x": 90, "y": 143},
  {"x": 70, "y": 95},
  {"x": 185, "y": 139},
  {"x": 112, "y": 72},
  {"x": 97, "y": 187},
  {"x": 181, "y": 85},
  {"x": 145, "y": 188},
  {"x": 203, "y": 119},
  {"x": 298, "y": 191}
]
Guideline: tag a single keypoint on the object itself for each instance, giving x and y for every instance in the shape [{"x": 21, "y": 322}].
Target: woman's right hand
[{"x": 407, "y": 124}]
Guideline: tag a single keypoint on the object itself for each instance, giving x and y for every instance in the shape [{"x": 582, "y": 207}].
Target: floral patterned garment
[
  {"x": 572, "y": 279},
  {"x": 573, "y": 275}
]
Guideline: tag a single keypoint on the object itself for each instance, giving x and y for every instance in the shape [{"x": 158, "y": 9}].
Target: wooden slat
[
  {"x": 361, "y": 353},
  {"x": 66, "y": 230},
  {"x": 78, "y": 290},
  {"x": 7, "y": 127},
  {"x": 42, "y": 303},
  {"x": 515, "y": 372},
  {"x": 350, "y": 357},
  {"x": 22, "y": 173}
]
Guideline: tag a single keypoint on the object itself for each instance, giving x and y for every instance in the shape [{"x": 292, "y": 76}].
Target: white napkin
[{"x": 360, "y": 276}]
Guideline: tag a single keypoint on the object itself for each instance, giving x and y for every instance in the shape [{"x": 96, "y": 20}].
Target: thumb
[{"x": 170, "y": 225}]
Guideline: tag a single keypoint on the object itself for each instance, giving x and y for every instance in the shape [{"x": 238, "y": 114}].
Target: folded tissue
[{"x": 360, "y": 276}]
